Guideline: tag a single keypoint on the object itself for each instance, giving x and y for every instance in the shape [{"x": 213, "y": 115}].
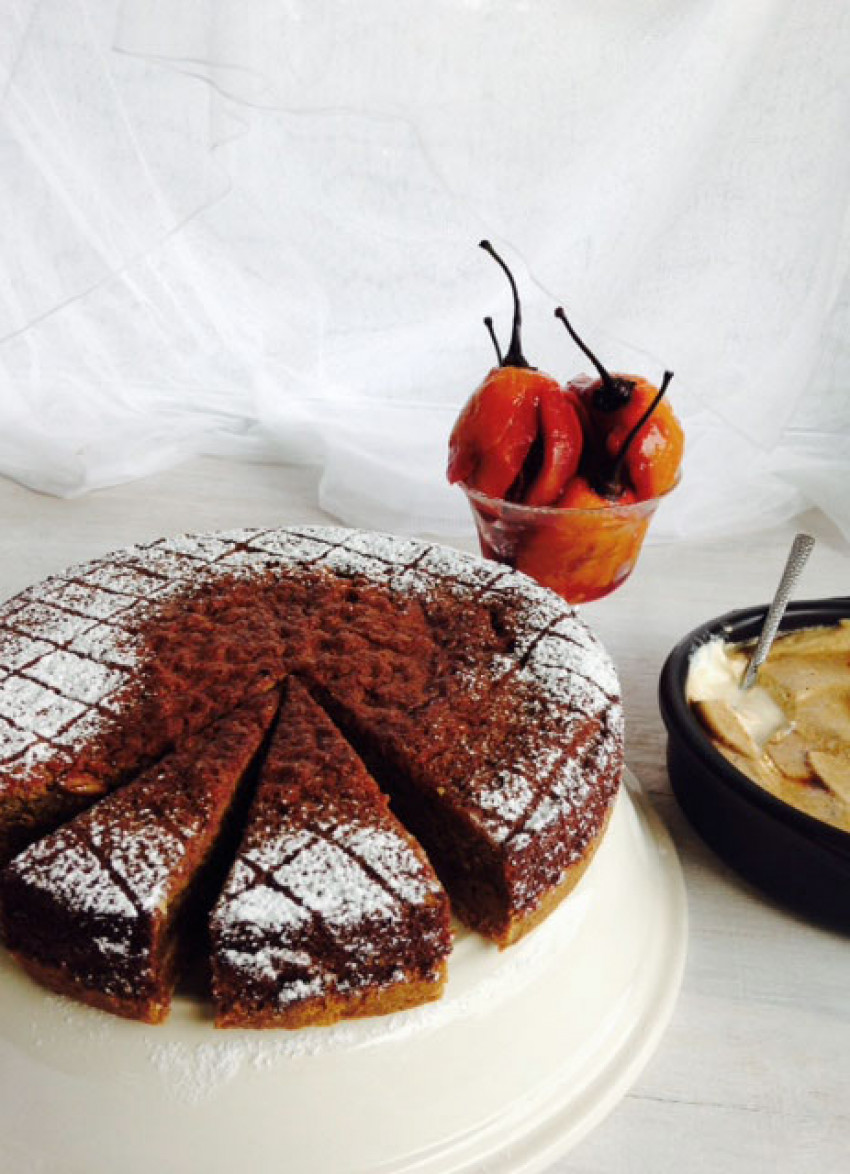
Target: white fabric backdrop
[{"x": 249, "y": 228}]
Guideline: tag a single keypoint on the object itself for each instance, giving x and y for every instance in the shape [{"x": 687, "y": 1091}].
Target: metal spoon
[{"x": 801, "y": 548}]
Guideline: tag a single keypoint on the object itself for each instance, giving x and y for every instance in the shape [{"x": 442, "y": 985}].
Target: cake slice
[
  {"x": 96, "y": 684},
  {"x": 331, "y": 909},
  {"x": 507, "y": 783},
  {"x": 93, "y": 910}
]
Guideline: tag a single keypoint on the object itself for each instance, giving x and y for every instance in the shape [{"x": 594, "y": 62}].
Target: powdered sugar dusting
[
  {"x": 290, "y": 549},
  {"x": 74, "y": 876},
  {"x": 17, "y": 651},
  {"x": 143, "y": 858},
  {"x": 555, "y": 660},
  {"x": 539, "y": 607},
  {"x": 272, "y": 845},
  {"x": 512, "y": 791},
  {"x": 70, "y": 865},
  {"x": 122, "y": 578},
  {"x": 84, "y": 598},
  {"x": 192, "y": 1074},
  {"x": 327, "y": 535},
  {"x": 557, "y": 682},
  {"x": 204, "y": 547},
  {"x": 389, "y": 857},
  {"x": 247, "y": 902},
  {"x": 40, "y": 621},
  {"x": 569, "y": 792},
  {"x": 160, "y": 562},
  {"x": 82, "y": 732},
  {"x": 270, "y": 960},
  {"x": 570, "y": 789},
  {"x": 13, "y": 741},
  {"x": 242, "y": 534},
  {"x": 29, "y": 706},
  {"x": 396, "y": 552},
  {"x": 457, "y": 567},
  {"x": 79, "y": 678},
  {"x": 246, "y": 564},
  {"x": 352, "y": 562},
  {"x": 327, "y": 881},
  {"x": 505, "y": 802},
  {"x": 103, "y": 645}
]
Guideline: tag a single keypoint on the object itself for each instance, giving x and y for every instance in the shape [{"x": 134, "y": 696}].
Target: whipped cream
[{"x": 715, "y": 674}]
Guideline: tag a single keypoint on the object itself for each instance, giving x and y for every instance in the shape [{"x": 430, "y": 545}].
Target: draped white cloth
[{"x": 250, "y": 228}]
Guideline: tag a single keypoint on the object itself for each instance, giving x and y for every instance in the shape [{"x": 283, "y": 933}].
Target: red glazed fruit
[{"x": 519, "y": 435}]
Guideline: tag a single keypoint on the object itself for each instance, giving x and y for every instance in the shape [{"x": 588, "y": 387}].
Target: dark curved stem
[
  {"x": 618, "y": 392},
  {"x": 513, "y": 356},
  {"x": 488, "y": 322},
  {"x": 615, "y": 482}
]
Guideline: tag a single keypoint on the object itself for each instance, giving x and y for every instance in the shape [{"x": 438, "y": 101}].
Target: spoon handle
[{"x": 801, "y": 548}]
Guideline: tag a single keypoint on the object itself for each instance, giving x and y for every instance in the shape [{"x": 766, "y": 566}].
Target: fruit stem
[
  {"x": 613, "y": 486},
  {"x": 513, "y": 356},
  {"x": 488, "y": 322},
  {"x": 619, "y": 391}
]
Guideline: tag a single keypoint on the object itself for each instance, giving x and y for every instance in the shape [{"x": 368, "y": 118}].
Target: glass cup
[{"x": 581, "y": 554}]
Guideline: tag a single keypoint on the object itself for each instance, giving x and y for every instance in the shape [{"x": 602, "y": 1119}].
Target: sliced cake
[
  {"x": 503, "y": 756},
  {"x": 479, "y": 702},
  {"x": 93, "y": 910},
  {"x": 105, "y": 669},
  {"x": 331, "y": 909}
]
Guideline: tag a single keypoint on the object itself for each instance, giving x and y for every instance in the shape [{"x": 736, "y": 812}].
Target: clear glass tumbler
[{"x": 581, "y": 554}]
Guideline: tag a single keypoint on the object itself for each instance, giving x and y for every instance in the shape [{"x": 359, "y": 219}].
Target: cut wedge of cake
[
  {"x": 331, "y": 909},
  {"x": 106, "y": 669},
  {"x": 93, "y": 910},
  {"x": 505, "y": 774}
]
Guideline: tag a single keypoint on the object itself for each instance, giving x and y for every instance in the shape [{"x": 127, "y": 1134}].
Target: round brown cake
[{"x": 474, "y": 702}]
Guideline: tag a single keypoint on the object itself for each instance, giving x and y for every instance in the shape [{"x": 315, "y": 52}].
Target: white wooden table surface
[{"x": 753, "y": 1074}]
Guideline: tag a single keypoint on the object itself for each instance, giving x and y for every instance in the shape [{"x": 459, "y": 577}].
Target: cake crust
[
  {"x": 56, "y": 978},
  {"x": 407, "y": 993}
]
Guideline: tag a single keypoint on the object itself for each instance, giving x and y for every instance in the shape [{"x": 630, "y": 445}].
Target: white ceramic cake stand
[{"x": 527, "y": 1050}]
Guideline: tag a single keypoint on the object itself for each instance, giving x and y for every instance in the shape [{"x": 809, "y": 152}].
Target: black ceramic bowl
[{"x": 797, "y": 859}]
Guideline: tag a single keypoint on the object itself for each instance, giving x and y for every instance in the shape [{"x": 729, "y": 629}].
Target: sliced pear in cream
[
  {"x": 833, "y": 770},
  {"x": 725, "y": 724},
  {"x": 790, "y": 732},
  {"x": 789, "y": 753}
]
